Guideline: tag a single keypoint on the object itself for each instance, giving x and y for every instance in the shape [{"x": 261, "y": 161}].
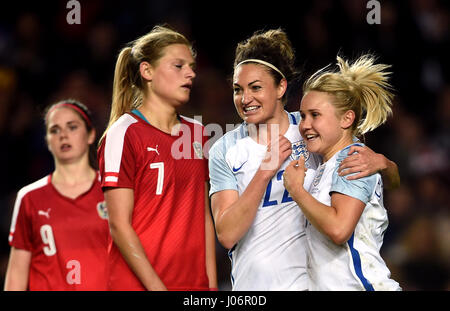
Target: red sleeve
[
  {"x": 21, "y": 230},
  {"x": 117, "y": 162}
]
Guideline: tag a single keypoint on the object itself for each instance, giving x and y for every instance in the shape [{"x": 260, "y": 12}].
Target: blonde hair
[
  {"x": 361, "y": 86},
  {"x": 128, "y": 85}
]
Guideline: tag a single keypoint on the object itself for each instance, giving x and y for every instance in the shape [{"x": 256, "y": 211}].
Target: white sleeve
[
  {"x": 361, "y": 189},
  {"x": 220, "y": 174}
]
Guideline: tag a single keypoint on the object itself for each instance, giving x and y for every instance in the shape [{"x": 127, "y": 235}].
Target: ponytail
[
  {"x": 125, "y": 94},
  {"x": 361, "y": 86}
]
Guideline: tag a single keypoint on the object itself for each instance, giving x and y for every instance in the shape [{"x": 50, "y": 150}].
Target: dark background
[{"x": 44, "y": 59}]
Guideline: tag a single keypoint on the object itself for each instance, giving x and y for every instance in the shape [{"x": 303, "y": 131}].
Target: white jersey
[
  {"x": 272, "y": 254},
  {"x": 356, "y": 264}
]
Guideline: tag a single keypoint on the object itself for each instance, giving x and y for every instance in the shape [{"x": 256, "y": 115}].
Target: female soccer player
[
  {"x": 346, "y": 218},
  {"x": 59, "y": 228},
  {"x": 154, "y": 173},
  {"x": 255, "y": 217}
]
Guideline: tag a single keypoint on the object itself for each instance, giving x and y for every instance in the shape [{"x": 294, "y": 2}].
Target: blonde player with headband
[
  {"x": 346, "y": 218},
  {"x": 255, "y": 217}
]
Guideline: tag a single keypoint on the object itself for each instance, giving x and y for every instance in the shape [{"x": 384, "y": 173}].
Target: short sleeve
[
  {"x": 117, "y": 161},
  {"x": 21, "y": 229},
  {"x": 221, "y": 177},
  {"x": 361, "y": 189}
]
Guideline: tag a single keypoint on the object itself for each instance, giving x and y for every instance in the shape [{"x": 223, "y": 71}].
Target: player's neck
[
  {"x": 73, "y": 174},
  {"x": 163, "y": 117},
  {"x": 341, "y": 144}
]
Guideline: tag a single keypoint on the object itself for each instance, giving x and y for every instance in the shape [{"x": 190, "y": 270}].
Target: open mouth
[
  {"x": 310, "y": 137},
  {"x": 251, "y": 109},
  {"x": 187, "y": 86},
  {"x": 65, "y": 147}
]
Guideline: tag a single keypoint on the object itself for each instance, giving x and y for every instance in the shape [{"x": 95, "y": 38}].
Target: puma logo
[
  {"x": 45, "y": 213},
  {"x": 153, "y": 149}
]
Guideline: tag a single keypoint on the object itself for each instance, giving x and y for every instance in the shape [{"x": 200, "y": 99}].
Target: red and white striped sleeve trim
[
  {"x": 111, "y": 179},
  {"x": 114, "y": 149}
]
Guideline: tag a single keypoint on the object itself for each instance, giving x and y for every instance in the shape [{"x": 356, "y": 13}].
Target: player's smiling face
[
  {"x": 67, "y": 136},
  {"x": 320, "y": 125},
  {"x": 255, "y": 94}
]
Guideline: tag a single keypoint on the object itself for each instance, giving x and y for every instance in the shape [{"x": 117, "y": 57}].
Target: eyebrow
[
  {"x": 249, "y": 83},
  {"x": 68, "y": 123},
  {"x": 309, "y": 110},
  {"x": 73, "y": 121}
]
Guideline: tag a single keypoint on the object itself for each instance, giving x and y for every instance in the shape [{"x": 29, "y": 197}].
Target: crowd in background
[{"x": 44, "y": 59}]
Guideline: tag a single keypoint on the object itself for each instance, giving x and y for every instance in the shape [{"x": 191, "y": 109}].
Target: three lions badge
[{"x": 299, "y": 149}]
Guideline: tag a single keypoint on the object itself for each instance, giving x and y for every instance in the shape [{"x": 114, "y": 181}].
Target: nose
[
  {"x": 63, "y": 133},
  {"x": 304, "y": 124},
  {"x": 190, "y": 73},
  {"x": 245, "y": 98}
]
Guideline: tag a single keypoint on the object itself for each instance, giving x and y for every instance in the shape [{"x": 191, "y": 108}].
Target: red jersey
[
  {"x": 67, "y": 237},
  {"x": 169, "y": 199}
]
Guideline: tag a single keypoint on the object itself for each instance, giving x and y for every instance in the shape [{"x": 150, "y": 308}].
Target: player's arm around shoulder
[{"x": 364, "y": 162}]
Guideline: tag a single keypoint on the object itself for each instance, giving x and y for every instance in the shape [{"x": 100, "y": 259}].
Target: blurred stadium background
[{"x": 43, "y": 59}]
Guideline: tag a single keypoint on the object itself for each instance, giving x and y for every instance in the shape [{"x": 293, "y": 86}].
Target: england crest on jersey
[{"x": 298, "y": 149}]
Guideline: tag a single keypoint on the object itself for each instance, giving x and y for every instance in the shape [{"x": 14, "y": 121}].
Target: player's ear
[
  {"x": 91, "y": 136},
  {"x": 347, "y": 119},
  {"x": 282, "y": 87},
  {"x": 146, "y": 71}
]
